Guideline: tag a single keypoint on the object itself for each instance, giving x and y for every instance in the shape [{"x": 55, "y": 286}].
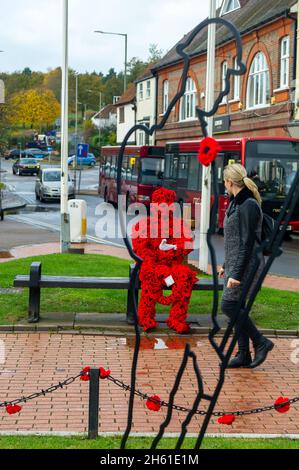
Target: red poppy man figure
[{"x": 163, "y": 263}]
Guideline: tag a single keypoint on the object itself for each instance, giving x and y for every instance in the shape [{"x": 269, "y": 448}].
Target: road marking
[{"x": 56, "y": 228}]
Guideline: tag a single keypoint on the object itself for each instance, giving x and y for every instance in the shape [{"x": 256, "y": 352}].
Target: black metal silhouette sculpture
[{"x": 274, "y": 243}]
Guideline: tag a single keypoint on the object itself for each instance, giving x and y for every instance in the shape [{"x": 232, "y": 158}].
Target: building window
[
  {"x": 258, "y": 86},
  {"x": 143, "y": 138},
  {"x": 148, "y": 89},
  {"x": 229, "y": 5},
  {"x": 224, "y": 68},
  {"x": 237, "y": 81},
  {"x": 284, "y": 62},
  {"x": 140, "y": 91},
  {"x": 165, "y": 95},
  {"x": 121, "y": 115},
  {"x": 188, "y": 102}
]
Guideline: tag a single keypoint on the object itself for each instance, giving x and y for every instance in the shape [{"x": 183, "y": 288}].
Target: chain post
[{"x": 93, "y": 411}]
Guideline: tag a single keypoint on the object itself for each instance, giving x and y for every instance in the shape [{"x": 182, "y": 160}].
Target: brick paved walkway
[
  {"x": 275, "y": 282},
  {"x": 35, "y": 361}
]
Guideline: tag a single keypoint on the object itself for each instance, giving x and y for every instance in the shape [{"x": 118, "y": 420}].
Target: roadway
[{"x": 45, "y": 217}]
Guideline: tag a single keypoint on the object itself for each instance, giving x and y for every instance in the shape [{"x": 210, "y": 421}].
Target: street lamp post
[
  {"x": 206, "y": 173},
  {"x": 65, "y": 222},
  {"x": 126, "y": 52},
  {"x": 1, "y": 207}
]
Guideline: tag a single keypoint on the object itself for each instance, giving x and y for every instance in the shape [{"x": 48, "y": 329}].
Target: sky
[{"x": 31, "y": 31}]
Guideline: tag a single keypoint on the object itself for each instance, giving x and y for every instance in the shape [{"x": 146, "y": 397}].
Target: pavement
[
  {"x": 11, "y": 200},
  {"x": 61, "y": 344},
  {"x": 35, "y": 361}
]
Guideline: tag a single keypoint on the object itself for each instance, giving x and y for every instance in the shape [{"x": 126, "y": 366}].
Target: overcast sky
[{"x": 31, "y": 31}]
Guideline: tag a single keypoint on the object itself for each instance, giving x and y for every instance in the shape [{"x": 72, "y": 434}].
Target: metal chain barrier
[
  {"x": 217, "y": 414},
  {"x": 42, "y": 393},
  {"x": 144, "y": 396}
]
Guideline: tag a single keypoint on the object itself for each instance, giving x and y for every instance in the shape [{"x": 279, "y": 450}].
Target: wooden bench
[{"x": 36, "y": 281}]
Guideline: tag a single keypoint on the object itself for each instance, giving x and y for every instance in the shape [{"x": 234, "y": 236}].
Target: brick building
[{"x": 261, "y": 101}]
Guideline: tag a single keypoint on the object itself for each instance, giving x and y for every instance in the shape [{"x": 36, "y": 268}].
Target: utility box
[{"x": 78, "y": 220}]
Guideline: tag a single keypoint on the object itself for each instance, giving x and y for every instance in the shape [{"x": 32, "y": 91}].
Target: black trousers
[{"x": 248, "y": 329}]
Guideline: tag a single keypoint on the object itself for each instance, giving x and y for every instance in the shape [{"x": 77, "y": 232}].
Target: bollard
[{"x": 93, "y": 412}]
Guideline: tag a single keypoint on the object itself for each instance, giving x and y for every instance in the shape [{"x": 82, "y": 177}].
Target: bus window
[
  {"x": 151, "y": 170},
  {"x": 134, "y": 167},
  {"x": 124, "y": 168},
  {"x": 113, "y": 171},
  {"x": 194, "y": 174},
  {"x": 272, "y": 165},
  {"x": 171, "y": 166},
  {"x": 183, "y": 167},
  {"x": 107, "y": 167}
]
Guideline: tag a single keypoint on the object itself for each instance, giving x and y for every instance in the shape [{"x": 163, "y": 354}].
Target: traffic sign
[{"x": 82, "y": 150}]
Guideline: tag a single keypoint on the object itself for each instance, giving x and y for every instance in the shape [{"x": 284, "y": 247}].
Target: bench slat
[{"x": 97, "y": 282}]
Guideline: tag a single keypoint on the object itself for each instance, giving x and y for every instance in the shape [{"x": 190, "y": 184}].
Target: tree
[
  {"x": 34, "y": 108},
  {"x": 155, "y": 54}
]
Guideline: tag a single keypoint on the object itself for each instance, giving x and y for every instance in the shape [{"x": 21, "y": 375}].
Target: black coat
[{"x": 242, "y": 235}]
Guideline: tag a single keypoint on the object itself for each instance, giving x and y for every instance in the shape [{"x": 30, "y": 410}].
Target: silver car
[{"x": 48, "y": 185}]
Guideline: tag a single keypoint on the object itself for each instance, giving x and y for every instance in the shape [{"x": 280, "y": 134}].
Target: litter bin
[{"x": 78, "y": 220}]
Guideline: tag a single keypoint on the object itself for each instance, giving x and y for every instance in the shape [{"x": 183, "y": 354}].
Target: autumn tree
[{"x": 34, "y": 108}]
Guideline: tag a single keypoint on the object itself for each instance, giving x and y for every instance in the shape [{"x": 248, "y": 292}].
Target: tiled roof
[
  {"x": 105, "y": 112},
  {"x": 128, "y": 96},
  {"x": 251, "y": 14},
  {"x": 146, "y": 74}
]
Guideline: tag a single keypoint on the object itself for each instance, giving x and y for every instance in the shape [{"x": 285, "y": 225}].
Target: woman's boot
[
  {"x": 262, "y": 348},
  {"x": 242, "y": 359}
]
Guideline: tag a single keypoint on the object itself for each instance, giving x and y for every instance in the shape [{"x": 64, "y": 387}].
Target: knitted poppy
[
  {"x": 13, "y": 409},
  {"x": 104, "y": 373},
  {"x": 227, "y": 419},
  {"x": 281, "y": 401},
  {"x": 208, "y": 151},
  {"x": 153, "y": 403},
  {"x": 163, "y": 195},
  {"x": 85, "y": 374}
]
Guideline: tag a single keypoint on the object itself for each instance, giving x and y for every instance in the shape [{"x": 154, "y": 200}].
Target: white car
[{"x": 48, "y": 185}]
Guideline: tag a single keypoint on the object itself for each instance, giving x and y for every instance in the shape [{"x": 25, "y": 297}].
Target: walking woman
[{"x": 242, "y": 235}]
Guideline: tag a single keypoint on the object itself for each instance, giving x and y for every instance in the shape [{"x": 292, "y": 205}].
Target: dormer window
[{"x": 229, "y": 5}]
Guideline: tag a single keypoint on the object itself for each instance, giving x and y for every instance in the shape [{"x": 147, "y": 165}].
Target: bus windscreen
[
  {"x": 151, "y": 171},
  {"x": 272, "y": 165}
]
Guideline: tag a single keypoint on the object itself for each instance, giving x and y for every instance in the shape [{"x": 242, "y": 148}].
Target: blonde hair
[{"x": 237, "y": 174}]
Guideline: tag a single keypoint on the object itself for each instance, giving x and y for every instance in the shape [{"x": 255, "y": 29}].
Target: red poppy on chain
[
  {"x": 153, "y": 403},
  {"x": 282, "y": 405},
  {"x": 13, "y": 409},
  {"x": 104, "y": 373},
  {"x": 85, "y": 375},
  {"x": 208, "y": 151},
  {"x": 227, "y": 419}
]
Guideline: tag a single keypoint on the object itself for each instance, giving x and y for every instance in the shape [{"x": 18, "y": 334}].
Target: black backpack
[{"x": 268, "y": 227}]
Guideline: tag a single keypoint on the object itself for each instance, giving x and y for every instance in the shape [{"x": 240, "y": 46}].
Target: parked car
[
  {"x": 26, "y": 166},
  {"x": 90, "y": 160},
  {"x": 37, "y": 153},
  {"x": 48, "y": 185},
  {"x": 14, "y": 153}
]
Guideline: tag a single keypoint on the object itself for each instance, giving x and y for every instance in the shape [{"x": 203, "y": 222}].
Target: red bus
[
  {"x": 271, "y": 162},
  {"x": 142, "y": 173}
]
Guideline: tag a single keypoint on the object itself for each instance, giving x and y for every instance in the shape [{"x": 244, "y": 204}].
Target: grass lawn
[
  {"x": 44, "y": 442},
  {"x": 273, "y": 309}
]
